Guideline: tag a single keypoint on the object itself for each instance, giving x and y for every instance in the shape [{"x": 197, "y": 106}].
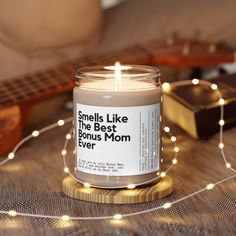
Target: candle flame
[
  {"x": 122, "y": 67},
  {"x": 117, "y": 68}
]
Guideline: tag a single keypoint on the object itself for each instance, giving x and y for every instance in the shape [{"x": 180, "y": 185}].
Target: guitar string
[{"x": 13, "y": 91}]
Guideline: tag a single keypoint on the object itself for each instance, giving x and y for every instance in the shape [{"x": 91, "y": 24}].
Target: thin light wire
[
  {"x": 120, "y": 186},
  {"x": 128, "y": 214},
  {"x": 207, "y": 83},
  {"x": 30, "y": 136}
]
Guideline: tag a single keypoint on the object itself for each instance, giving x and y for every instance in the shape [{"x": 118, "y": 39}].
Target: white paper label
[{"x": 118, "y": 141}]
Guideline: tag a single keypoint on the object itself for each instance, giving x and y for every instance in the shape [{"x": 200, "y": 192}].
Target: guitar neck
[{"x": 53, "y": 81}]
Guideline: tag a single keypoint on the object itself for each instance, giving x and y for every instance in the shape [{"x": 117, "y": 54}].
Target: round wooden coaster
[{"x": 76, "y": 190}]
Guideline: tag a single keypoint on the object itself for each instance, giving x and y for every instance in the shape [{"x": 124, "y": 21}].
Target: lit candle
[{"x": 117, "y": 115}]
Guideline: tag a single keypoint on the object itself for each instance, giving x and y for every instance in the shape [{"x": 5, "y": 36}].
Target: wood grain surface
[{"x": 76, "y": 190}]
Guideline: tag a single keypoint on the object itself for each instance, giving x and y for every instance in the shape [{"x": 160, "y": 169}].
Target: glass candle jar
[{"x": 117, "y": 118}]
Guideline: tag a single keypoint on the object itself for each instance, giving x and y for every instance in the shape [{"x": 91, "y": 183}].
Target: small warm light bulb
[
  {"x": 131, "y": 186},
  {"x": 221, "y": 122},
  {"x": 158, "y": 173},
  {"x": 195, "y": 81},
  {"x": 221, "y": 145},
  {"x": 228, "y": 165},
  {"x": 87, "y": 185},
  {"x": 221, "y": 101},
  {"x": 174, "y": 161},
  {"x": 11, "y": 155},
  {"x": 176, "y": 149},
  {"x": 173, "y": 138},
  {"x": 117, "y": 216},
  {"x": 65, "y": 217},
  {"x": 63, "y": 152},
  {"x": 12, "y": 213},
  {"x": 167, "y": 129},
  {"x": 165, "y": 87},
  {"x": 210, "y": 186},
  {"x": 163, "y": 174},
  {"x": 61, "y": 122},
  {"x": 167, "y": 205},
  {"x": 35, "y": 133},
  {"x": 66, "y": 170},
  {"x": 214, "y": 87},
  {"x": 68, "y": 136}
]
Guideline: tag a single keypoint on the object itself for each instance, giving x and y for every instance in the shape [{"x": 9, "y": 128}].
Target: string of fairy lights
[
  {"x": 166, "y": 87},
  {"x": 129, "y": 186}
]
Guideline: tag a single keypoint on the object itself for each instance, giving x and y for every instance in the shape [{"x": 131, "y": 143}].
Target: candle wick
[
  {"x": 117, "y": 76},
  {"x": 117, "y": 85}
]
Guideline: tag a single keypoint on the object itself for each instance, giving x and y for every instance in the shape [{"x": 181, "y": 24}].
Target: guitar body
[{"x": 10, "y": 128}]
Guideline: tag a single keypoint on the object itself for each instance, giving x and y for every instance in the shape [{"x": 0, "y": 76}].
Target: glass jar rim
[{"x": 108, "y": 72}]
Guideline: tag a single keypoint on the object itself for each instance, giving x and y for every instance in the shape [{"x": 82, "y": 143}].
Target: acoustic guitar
[{"x": 18, "y": 95}]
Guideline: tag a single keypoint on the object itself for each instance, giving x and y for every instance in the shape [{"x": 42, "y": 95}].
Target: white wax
[
  {"x": 122, "y": 93},
  {"x": 122, "y": 85},
  {"x": 111, "y": 93}
]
